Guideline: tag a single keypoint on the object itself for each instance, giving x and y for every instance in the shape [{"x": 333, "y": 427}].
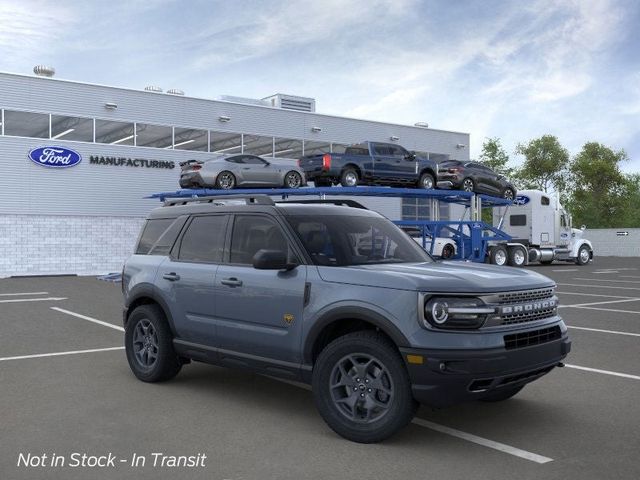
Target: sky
[{"x": 515, "y": 70}]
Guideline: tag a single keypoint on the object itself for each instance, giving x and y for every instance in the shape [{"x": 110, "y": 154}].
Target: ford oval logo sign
[
  {"x": 55, "y": 157},
  {"x": 521, "y": 200}
]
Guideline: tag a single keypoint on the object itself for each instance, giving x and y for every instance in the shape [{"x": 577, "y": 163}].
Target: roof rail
[
  {"x": 221, "y": 200},
  {"x": 330, "y": 201}
]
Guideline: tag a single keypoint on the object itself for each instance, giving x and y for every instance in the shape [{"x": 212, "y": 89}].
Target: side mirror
[
  {"x": 272, "y": 260},
  {"x": 410, "y": 156}
]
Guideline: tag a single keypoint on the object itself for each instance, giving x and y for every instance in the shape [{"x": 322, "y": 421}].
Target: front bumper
[{"x": 447, "y": 377}]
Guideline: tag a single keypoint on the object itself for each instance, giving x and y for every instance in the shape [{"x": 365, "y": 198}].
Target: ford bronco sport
[{"x": 337, "y": 297}]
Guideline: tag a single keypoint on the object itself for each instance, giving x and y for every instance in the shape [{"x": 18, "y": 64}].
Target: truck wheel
[
  {"x": 361, "y": 387},
  {"x": 468, "y": 185},
  {"x": 517, "y": 257},
  {"x": 149, "y": 345},
  {"x": 225, "y": 180},
  {"x": 501, "y": 394},
  {"x": 426, "y": 181},
  {"x": 584, "y": 255},
  {"x": 349, "y": 178},
  {"x": 498, "y": 255},
  {"x": 448, "y": 251}
]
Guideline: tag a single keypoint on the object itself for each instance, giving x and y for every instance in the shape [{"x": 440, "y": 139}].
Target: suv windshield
[{"x": 344, "y": 240}]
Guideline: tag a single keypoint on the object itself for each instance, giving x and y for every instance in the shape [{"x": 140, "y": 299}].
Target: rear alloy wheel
[
  {"x": 584, "y": 255},
  {"x": 468, "y": 185},
  {"x": 448, "y": 251},
  {"x": 426, "y": 181},
  {"x": 225, "y": 181},
  {"x": 293, "y": 179},
  {"x": 508, "y": 194},
  {"x": 361, "y": 387},
  {"x": 498, "y": 255},
  {"x": 501, "y": 394},
  {"x": 349, "y": 178},
  {"x": 517, "y": 257}
]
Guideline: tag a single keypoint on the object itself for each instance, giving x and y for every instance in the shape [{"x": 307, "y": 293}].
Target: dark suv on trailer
[
  {"x": 338, "y": 297},
  {"x": 474, "y": 177}
]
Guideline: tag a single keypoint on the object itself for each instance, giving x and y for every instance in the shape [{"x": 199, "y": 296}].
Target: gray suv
[{"x": 337, "y": 297}]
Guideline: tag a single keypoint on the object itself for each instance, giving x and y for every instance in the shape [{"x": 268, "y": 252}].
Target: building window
[
  {"x": 191, "y": 139},
  {"x": 225, "y": 143},
  {"x": 72, "y": 128},
  {"x": 115, "y": 133},
  {"x": 316, "y": 148},
  {"x": 156, "y": 136},
  {"x": 257, "y": 145},
  {"x": 26, "y": 124},
  {"x": 287, "y": 148}
]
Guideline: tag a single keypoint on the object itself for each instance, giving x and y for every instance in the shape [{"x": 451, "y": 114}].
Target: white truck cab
[{"x": 542, "y": 228}]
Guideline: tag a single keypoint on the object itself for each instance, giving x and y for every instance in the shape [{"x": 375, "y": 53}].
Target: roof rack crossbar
[{"x": 221, "y": 200}]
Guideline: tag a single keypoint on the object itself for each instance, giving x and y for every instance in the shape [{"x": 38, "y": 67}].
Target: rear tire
[
  {"x": 361, "y": 387},
  {"x": 508, "y": 194},
  {"x": 148, "y": 344},
  {"x": 448, "y": 251},
  {"x": 225, "y": 180},
  {"x": 349, "y": 178},
  {"x": 498, "y": 255},
  {"x": 517, "y": 257},
  {"x": 293, "y": 179},
  {"x": 502, "y": 394}
]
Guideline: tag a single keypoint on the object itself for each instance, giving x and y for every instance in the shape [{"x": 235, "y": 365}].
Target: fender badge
[{"x": 288, "y": 318}]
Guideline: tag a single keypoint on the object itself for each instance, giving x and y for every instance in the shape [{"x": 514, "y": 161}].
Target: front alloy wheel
[{"x": 467, "y": 185}]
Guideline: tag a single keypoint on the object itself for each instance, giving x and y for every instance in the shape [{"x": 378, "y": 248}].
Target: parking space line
[
  {"x": 485, "y": 442},
  {"x": 597, "y": 286},
  {"x": 593, "y": 295},
  {"x": 605, "y": 331},
  {"x": 19, "y": 300},
  {"x": 89, "y": 319},
  {"x": 24, "y": 293},
  {"x": 567, "y": 270},
  {"x": 58, "y": 354},
  {"x": 599, "y": 303},
  {"x": 606, "y": 280},
  {"x": 629, "y": 276},
  {"x": 606, "y": 372},
  {"x": 608, "y": 310},
  {"x": 534, "y": 457}
]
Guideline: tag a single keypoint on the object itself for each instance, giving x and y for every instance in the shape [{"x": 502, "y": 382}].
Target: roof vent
[
  {"x": 291, "y": 102},
  {"x": 153, "y": 88},
  {"x": 175, "y": 91},
  {"x": 44, "y": 71}
]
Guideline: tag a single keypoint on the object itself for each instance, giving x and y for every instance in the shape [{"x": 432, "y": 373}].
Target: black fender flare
[
  {"x": 145, "y": 290},
  {"x": 353, "y": 313}
]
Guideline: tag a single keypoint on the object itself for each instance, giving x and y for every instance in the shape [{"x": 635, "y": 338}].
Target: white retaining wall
[{"x": 613, "y": 242}]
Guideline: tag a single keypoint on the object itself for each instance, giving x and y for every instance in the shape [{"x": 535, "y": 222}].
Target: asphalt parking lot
[{"x": 66, "y": 387}]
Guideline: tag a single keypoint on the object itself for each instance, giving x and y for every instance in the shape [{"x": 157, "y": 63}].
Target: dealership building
[{"x": 84, "y": 219}]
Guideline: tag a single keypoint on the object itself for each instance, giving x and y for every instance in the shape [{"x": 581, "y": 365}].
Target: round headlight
[{"x": 439, "y": 312}]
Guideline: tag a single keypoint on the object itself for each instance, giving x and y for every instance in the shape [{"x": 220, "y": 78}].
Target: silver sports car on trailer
[{"x": 231, "y": 171}]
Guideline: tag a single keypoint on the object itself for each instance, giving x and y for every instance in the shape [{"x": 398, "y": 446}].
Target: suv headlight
[{"x": 451, "y": 312}]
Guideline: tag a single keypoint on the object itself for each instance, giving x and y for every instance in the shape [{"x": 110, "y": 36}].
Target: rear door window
[{"x": 203, "y": 241}]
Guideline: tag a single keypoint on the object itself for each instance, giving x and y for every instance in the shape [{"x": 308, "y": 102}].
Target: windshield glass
[{"x": 344, "y": 240}]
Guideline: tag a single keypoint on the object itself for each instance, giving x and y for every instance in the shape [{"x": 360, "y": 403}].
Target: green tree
[
  {"x": 546, "y": 164},
  {"x": 495, "y": 157},
  {"x": 600, "y": 192}
]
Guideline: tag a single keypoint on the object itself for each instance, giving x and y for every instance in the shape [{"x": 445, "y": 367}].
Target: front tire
[
  {"x": 508, "y": 194},
  {"x": 448, "y": 251},
  {"x": 225, "y": 180},
  {"x": 584, "y": 255},
  {"x": 468, "y": 185},
  {"x": 361, "y": 387},
  {"x": 149, "y": 345},
  {"x": 426, "y": 181}
]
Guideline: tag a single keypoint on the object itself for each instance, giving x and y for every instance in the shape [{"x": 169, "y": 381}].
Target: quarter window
[
  {"x": 518, "y": 220},
  {"x": 204, "y": 239},
  {"x": 151, "y": 233}
]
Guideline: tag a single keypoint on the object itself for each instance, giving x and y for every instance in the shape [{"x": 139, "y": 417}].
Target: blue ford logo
[
  {"x": 55, "y": 157},
  {"x": 521, "y": 200}
]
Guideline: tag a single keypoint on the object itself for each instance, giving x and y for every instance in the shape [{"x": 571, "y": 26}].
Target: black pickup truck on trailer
[{"x": 370, "y": 163}]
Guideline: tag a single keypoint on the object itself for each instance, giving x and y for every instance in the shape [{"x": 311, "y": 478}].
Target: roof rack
[
  {"x": 329, "y": 201},
  {"x": 221, "y": 200}
]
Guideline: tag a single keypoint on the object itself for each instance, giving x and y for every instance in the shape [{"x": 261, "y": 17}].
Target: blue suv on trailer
[{"x": 337, "y": 297}]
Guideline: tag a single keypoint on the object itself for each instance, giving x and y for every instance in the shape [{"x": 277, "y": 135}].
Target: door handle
[
  {"x": 172, "y": 277},
  {"x": 231, "y": 282}
]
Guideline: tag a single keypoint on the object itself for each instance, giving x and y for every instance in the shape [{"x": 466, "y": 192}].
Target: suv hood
[{"x": 445, "y": 277}]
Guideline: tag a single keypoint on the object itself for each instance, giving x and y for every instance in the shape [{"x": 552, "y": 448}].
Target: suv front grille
[
  {"x": 528, "y": 317},
  {"x": 535, "y": 337},
  {"x": 524, "y": 296}
]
